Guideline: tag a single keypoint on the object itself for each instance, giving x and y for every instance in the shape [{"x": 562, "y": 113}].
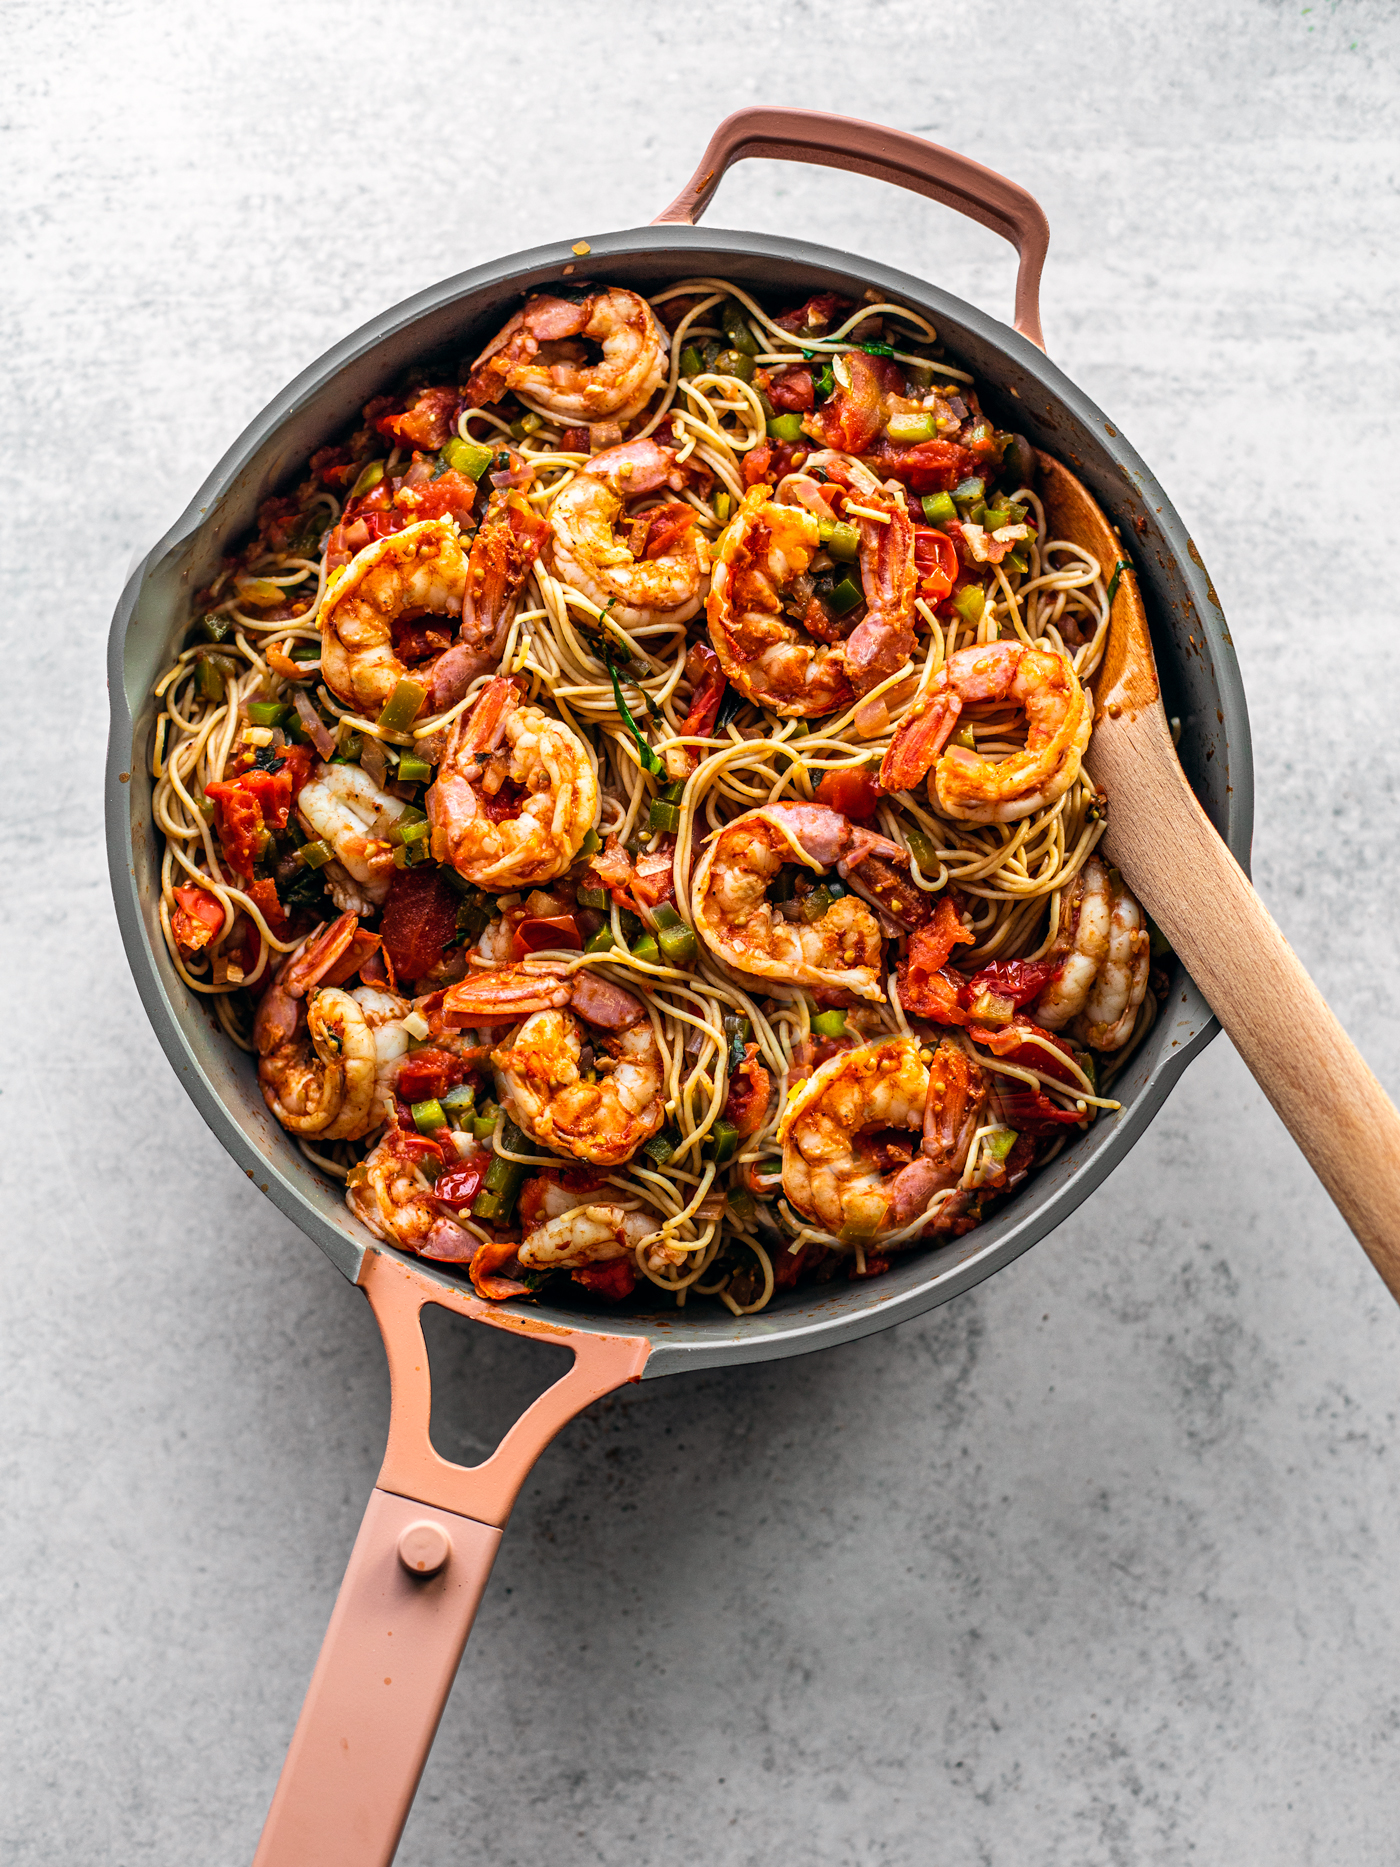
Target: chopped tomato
[
  {"x": 238, "y": 819},
  {"x": 666, "y": 526},
  {"x": 747, "y": 1101},
  {"x": 1022, "y": 1041},
  {"x": 927, "y": 985},
  {"x": 263, "y": 895},
  {"x": 428, "y": 1073},
  {"x": 927, "y": 467},
  {"x": 420, "y": 920},
  {"x": 1017, "y": 979},
  {"x": 552, "y": 930},
  {"x": 791, "y": 389},
  {"x": 450, "y": 496},
  {"x": 815, "y": 314},
  {"x": 427, "y": 423},
  {"x": 706, "y": 677},
  {"x": 936, "y": 561},
  {"x": 851, "y": 418},
  {"x": 576, "y": 440},
  {"x": 772, "y": 460},
  {"x": 198, "y": 917},
  {"x": 855, "y": 793},
  {"x": 614, "y": 1280},
  {"x": 654, "y": 878},
  {"x": 456, "y": 1187}
]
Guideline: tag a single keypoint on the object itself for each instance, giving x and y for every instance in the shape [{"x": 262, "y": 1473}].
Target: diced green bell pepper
[
  {"x": 844, "y": 596},
  {"x": 939, "y": 508},
  {"x": 466, "y": 457},
  {"x": 677, "y": 945},
  {"x": 970, "y": 602},
  {"x": 428, "y": 1116},
  {"x": 723, "y": 1143},
  {"x": 734, "y": 324},
  {"x": 830, "y": 1024},
  {"x": 785, "y": 427},
  {"x": 844, "y": 543},
  {"x": 403, "y": 706}
]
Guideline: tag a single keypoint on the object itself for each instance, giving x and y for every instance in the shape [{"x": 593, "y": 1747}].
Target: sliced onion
[
  {"x": 373, "y": 762},
  {"x": 316, "y": 730}
]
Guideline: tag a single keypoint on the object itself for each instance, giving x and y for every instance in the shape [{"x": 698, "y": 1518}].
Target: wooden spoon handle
[{"x": 1181, "y": 871}]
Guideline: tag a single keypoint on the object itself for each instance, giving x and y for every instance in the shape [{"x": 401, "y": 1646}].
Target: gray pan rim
[{"x": 921, "y": 1282}]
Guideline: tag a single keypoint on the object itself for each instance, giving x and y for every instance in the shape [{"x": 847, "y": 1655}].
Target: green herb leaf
[{"x": 650, "y": 761}]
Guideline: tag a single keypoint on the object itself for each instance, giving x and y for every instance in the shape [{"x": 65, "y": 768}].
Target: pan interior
[{"x": 1200, "y": 682}]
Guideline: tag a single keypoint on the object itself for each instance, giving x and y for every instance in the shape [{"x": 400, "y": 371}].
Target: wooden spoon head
[{"x": 1126, "y": 683}]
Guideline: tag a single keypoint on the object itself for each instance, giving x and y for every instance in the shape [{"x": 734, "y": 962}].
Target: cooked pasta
[{"x": 577, "y": 790}]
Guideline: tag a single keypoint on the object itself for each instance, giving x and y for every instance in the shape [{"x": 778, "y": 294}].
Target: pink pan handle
[
  {"x": 891, "y": 156},
  {"x": 415, "y": 1579}
]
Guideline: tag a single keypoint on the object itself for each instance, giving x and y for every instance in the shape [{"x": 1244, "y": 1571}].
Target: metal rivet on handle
[{"x": 424, "y": 1547}]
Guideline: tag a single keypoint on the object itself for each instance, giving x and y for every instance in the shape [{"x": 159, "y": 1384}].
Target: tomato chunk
[
  {"x": 428, "y": 1073},
  {"x": 855, "y": 793},
  {"x": 197, "y": 918},
  {"x": 456, "y": 1187},
  {"x": 420, "y": 920},
  {"x": 936, "y": 561},
  {"x": 614, "y": 1280}
]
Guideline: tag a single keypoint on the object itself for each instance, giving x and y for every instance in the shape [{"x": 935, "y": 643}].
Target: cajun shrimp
[
  {"x": 1106, "y": 949},
  {"x": 515, "y": 794},
  {"x": 770, "y": 659},
  {"x": 659, "y": 572},
  {"x": 393, "y": 583},
  {"x": 733, "y": 916},
  {"x": 847, "y": 1166},
  {"x": 978, "y": 790},
  {"x": 569, "y": 1225},
  {"x": 538, "y": 354},
  {"x": 391, "y": 1194},
  {"x": 342, "y": 805},
  {"x": 502, "y": 554},
  {"x": 779, "y": 643},
  {"x": 316, "y": 1055},
  {"x": 883, "y": 640},
  {"x": 384, "y": 1013},
  {"x": 583, "y": 1073}
]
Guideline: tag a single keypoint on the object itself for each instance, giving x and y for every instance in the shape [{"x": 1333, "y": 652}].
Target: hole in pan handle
[
  {"x": 891, "y": 156},
  {"x": 402, "y": 1617}
]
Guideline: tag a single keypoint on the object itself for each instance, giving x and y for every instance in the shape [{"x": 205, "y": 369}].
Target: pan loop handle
[{"x": 891, "y": 156}]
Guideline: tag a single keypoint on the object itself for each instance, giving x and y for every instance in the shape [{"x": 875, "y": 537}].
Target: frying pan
[{"x": 430, "y": 1533}]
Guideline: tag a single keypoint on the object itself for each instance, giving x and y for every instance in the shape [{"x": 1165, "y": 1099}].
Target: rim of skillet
[{"x": 1196, "y": 662}]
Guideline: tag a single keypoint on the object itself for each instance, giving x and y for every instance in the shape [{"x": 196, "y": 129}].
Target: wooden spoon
[{"x": 1176, "y": 864}]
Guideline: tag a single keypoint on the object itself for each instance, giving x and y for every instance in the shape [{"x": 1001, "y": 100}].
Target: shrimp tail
[
  {"x": 487, "y": 1260},
  {"x": 918, "y": 740},
  {"x": 495, "y": 997},
  {"x": 484, "y": 728}
]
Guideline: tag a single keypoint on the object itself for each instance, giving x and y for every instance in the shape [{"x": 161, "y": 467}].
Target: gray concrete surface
[{"x": 1097, "y": 1564}]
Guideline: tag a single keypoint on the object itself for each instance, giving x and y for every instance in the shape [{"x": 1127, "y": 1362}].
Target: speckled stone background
[{"x": 1095, "y": 1565}]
